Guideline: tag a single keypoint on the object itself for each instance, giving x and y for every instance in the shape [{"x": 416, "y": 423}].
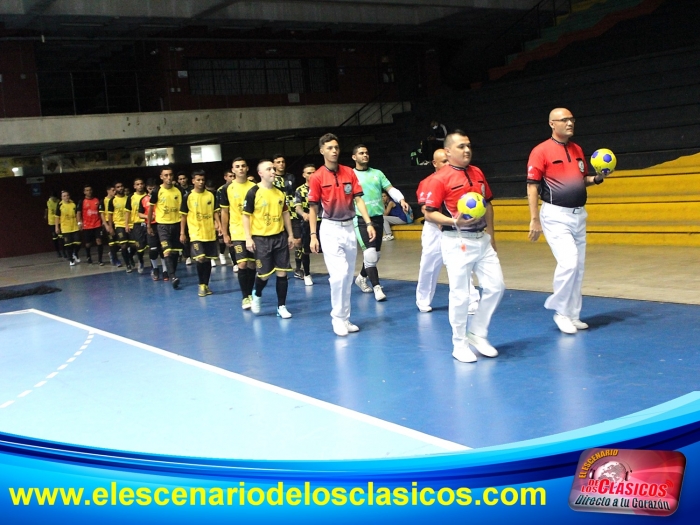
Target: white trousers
[
  {"x": 339, "y": 253},
  {"x": 565, "y": 231},
  {"x": 462, "y": 256},
  {"x": 430, "y": 266},
  {"x": 389, "y": 220}
]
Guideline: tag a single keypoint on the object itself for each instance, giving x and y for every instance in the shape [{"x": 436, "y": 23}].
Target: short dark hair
[
  {"x": 199, "y": 173},
  {"x": 277, "y": 156},
  {"x": 181, "y": 173},
  {"x": 151, "y": 182},
  {"x": 455, "y": 132},
  {"x": 138, "y": 178},
  {"x": 328, "y": 137},
  {"x": 226, "y": 172},
  {"x": 358, "y": 146},
  {"x": 87, "y": 185},
  {"x": 114, "y": 185},
  {"x": 237, "y": 159},
  {"x": 209, "y": 183},
  {"x": 109, "y": 186},
  {"x": 166, "y": 168},
  {"x": 308, "y": 166}
]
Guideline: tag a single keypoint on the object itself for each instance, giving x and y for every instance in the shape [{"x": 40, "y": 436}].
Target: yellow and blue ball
[
  {"x": 603, "y": 161},
  {"x": 471, "y": 205}
]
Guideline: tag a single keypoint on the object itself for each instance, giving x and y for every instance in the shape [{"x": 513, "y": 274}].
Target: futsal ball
[
  {"x": 471, "y": 205},
  {"x": 603, "y": 161}
]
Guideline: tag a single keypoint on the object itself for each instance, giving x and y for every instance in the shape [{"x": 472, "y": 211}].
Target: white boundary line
[{"x": 352, "y": 414}]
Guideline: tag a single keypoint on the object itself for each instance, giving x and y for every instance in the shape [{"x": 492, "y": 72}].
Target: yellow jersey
[
  {"x": 199, "y": 209},
  {"x": 67, "y": 216},
  {"x": 51, "y": 206},
  {"x": 117, "y": 209},
  {"x": 266, "y": 208},
  {"x": 167, "y": 203},
  {"x": 233, "y": 197},
  {"x": 132, "y": 206}
]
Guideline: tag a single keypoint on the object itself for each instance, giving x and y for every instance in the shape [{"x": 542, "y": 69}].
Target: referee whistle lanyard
[{"x": 462, "y": 246}]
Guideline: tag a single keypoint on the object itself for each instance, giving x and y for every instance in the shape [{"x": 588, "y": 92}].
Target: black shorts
[
  {"x": 204, "y": 249},
  {"x": 297, "y": 228},
  {"x": 240, "y": 252},
  {"x": 120, "y": 236},
  {"x": 71, "y": 238},
  {"x": 138, "y": 236},
  {"x": 90, "y": 235},
  {"x": 363, "y": 236},
  {"x": 55, "y": 236},
  {"x": 271, "y": 254},
  {"x": 170, "y": 238}
]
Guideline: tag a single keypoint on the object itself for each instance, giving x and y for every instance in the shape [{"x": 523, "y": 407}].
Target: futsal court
[{"x": 117, "y": 361}]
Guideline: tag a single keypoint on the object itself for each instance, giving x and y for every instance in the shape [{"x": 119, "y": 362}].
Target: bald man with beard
[{"x": 557, "y": 173}]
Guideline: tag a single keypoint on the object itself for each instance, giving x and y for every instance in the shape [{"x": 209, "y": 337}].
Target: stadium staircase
[
  {"x": 587, "y": 19},
  {"x": 642, "y": 103}
]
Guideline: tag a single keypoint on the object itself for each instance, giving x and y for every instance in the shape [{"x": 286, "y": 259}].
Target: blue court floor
[{"x": 152, "y": 369}]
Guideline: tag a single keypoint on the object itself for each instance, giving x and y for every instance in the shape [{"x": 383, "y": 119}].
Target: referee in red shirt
[
  {"x": 335, "y": 188},
  {"x": 467, "y": 245},
  {"x": 557, "y": 172}
]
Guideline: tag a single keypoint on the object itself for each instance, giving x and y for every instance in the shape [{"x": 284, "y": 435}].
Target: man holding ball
[{"x": 558, "y": 173}]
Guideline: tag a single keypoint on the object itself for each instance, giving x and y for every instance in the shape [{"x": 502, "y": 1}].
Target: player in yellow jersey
[
  {"x": 166, "y": 200},
  {"x": 50, "y": 216},
  {"x": 228, "y": 177},
  {"x": 136, "y": 225},
  {"x": 118, "y": 218},
  {"x": 231, "y": 202},
  {"x": 67, "y": 225},
  {"x": 197, "y": 212},
  {"x": 268, "y": 233}
]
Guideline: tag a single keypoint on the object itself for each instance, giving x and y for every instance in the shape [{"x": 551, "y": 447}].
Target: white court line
[
  {"x": 352, "y": 414},
  {"x": 62, "y": 367},
  {"x": 7, "y": 404},
  {"x": 40, "y": 383},
  {"x": 52, "y": 375},
  {"x": 25, "y": 393}
]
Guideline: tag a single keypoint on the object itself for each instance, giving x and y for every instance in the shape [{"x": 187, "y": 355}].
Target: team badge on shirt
[
  {"x": 581, "y": 166},
  {"x": 347, "y": 187}
]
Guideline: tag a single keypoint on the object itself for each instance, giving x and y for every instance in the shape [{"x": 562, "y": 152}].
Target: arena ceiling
[{"x": 94, "y": 29}]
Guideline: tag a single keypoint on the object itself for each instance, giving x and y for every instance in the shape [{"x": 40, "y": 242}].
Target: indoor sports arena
[{"x": 240, "y": 234}]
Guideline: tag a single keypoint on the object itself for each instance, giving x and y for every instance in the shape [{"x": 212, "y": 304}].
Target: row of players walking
[{"x": 338, "y": 208}]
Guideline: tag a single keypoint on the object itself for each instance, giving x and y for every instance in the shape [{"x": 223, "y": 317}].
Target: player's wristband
[
  {"x": 596, "y": 181},
  {"x": 313, "y": 233}
]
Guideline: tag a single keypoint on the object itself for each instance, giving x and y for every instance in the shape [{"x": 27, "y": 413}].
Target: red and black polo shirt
[
  {"x": 560, "y": 169},
  {"x": 449, "y": 184},
  {"x": 335, "y": 191}
]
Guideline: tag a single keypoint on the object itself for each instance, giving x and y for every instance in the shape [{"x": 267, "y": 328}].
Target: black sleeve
[
  {"x": 183, "y": 206},
  {"x": 154, "y": 196},
  {"x": 79, "y": 206},
  {"x": 128, "y": 204},
  {"x": 110, "y": 205},
  {"x": 249, "y": 205},
  {"x": 223, "y": 196},
  {"x": 58, "y": 210}
]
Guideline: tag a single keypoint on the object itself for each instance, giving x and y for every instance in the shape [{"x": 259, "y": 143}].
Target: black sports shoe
[
  {"x": 129, "y": 268},
  {"x": 176, "y": 282},
  {"x": 155, "y": 274},
  {"x": 88, "y": 260},
  {"x": 165, "y": 276},
  {"x": 299, "y": 274},
  {"x": 100, "y": 263}
]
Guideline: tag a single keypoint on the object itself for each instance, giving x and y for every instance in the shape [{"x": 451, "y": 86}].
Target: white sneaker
[
  {"x": 424, "y": 309},
  {"x": 308, "y": 281},
  {"x": 213, "y": 263},
  {"x": 388, "y": 238},
  {"x": 362, "y": 283},
  {"x": 283, "y": 312},
  {"x": 339, "y": 327},
  {"x": 76, "y": 259},
  {"x": 351, "y": 327},
  {"x": 565, "y": 324},
  {"x": 379, "y": 294},
  {"x": 222, "y": 259},
  {"x": 580, "y": 325},
  {"x": 482, "y": 345},
  {"x": 71, "y": 262},
  {"x": 255, "y": 304},
  {"x": 235, "y": 268},
  {"x": 188, "y": 261},
  {"x": 463, "y": 354}
]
